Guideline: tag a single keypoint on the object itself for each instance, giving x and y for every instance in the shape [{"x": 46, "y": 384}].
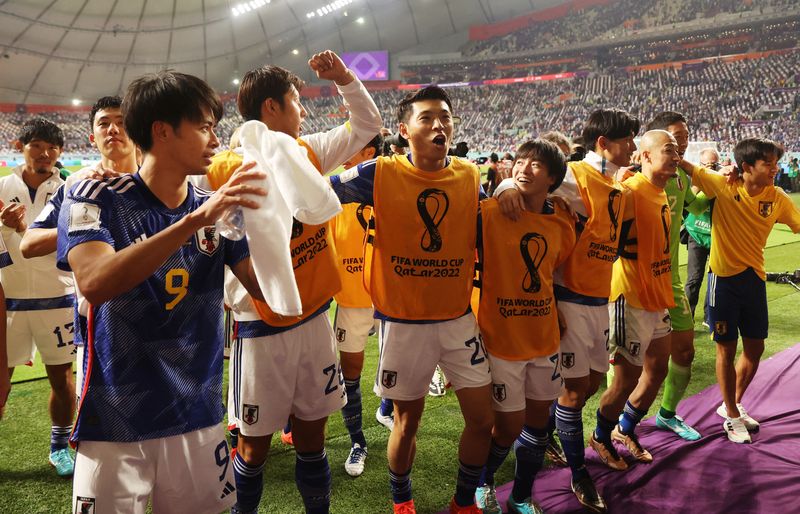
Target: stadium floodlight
[
  {"x": 76, "y": 102},
  {"x": 295, "y": 51},
  {"x": 235, "y": 82},
  {"x": 244, "y": 7},
  {"x": 360, "y": 20},
  {"x": 328, "y": 8}
]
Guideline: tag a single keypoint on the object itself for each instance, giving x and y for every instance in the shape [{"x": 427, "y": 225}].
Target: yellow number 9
[{"x": 180, "y": 289}]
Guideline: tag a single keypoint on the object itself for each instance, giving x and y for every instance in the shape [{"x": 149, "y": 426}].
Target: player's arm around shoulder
[{"x": 707, "y": 181}]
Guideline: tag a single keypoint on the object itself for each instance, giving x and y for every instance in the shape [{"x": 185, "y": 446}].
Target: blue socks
[
  {"x": 529, "y": 449},
  {"x": 631, "y": 417},
  {"x": 467, "y": 483},
  {"x": 497, "y": 455},
  {"x": 401, "y": 486},
  {"x": 59, "y": 437},
  {"x": 249, "y": 485},
  {"x": 351, "y": 412},
  {"x": 569, "y": 425},
  {"x": 602, "y": 431},
  {"x": 387, "y": 407},
  {"x": 312, "y": 474}
]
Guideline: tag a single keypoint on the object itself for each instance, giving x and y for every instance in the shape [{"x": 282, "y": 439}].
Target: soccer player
[
  {"x": 583, "y": 283},
  {"x": 744, "y": 214},
  {"x": 641, "y": 292},
  {"x": 39, "y": 297},
  {"x": 419, "y": 266},
  {"x": 354, "y": 313},
  {"x": 699, "y": 242},
  {"x": 517, "y": 260},
  {"x": 146, "y": 257},
  {"x": 288, "y": 366},
  {"x": 117, "y": 155},
  {"x": 680, "y": 197}
]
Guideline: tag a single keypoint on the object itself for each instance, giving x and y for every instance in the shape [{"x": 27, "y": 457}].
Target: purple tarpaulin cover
[{"x": 711, "y": 475}]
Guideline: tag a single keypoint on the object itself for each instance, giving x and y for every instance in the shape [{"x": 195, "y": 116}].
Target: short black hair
[
  {"x": 547, "y": 153},
  {"x": 261, "y": 83},
  {"x": 167, "y": 96},
  {"x": 107, "y": 102},
  {"x": 609, "y": 123},
  {"x": 43, "y": 130},
  {"x": 426, "y": 93},
  {"x": 751, "y": 149},
  {"x": 664, "y": 119},
  {"x": 377, "y": 144}
]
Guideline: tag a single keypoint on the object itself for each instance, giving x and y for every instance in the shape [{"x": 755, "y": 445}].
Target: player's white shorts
[
  {"x": 189, "y": 472},
  {"x": 411, "y": 351},
  {"x": 51, "y": 331},
  {"x": 352, "y": 326},
  {"x": 632, "y": 329},
  {"x": 293, "y": 372},
  {"x": 584, "y": 347},
  {"x": 534, "y": 379}
]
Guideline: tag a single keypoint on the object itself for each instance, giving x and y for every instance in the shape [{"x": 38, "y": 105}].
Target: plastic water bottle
[{"x": 231, "y": 224}]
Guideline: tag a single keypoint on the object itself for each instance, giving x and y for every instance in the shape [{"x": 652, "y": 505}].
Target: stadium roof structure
[{"x": 53, "y": 51}]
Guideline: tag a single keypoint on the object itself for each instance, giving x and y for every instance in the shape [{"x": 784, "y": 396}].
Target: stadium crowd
[
  {"x": 615, "y": 19},
  {"x": 721, "y": 107}
]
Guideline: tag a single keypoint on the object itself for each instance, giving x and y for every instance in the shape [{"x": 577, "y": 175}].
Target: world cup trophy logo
[
  {"x": 533, "y": 247},
  {"x": 665, "y": 226},
  {"x": 432, "y": 205},
  {"x": 614, "y": 204},
  {"x": 360, "y": 216}
]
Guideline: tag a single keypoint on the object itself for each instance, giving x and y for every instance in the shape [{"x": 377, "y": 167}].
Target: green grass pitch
[{"x": 29, "y": 485}]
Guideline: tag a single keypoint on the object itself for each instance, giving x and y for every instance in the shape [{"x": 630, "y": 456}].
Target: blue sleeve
[
  {"x": 84, "y": 216},
  {"x": 236, "y": 251},
  {"x": 356, "y": 185},
  {"x": 482, "y": 193},
  {"x": 48, "y": 218}
]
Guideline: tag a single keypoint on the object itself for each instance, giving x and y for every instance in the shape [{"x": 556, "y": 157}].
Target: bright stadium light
[
  {"x": 328, "y": 8},
  {"x": 244, "y": 7},
  {"x": 235, "y": 82},
  {"x": 76, "y": 102},
  {"x": 360, "y": 20},
  {"x": 295, "y": 51}
]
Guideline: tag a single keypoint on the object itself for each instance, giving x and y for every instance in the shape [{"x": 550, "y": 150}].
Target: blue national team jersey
[
  {"x": 154, "y": 363},
  {"x": 48, "y": 218}
]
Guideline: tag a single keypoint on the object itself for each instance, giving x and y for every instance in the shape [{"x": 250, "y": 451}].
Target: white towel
[{"x": 295, "y": 189}]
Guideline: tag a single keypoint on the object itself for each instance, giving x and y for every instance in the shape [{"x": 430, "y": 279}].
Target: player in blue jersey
[
  {"x": 118, "y": 155},
  {"x": 147, "y": 258}
]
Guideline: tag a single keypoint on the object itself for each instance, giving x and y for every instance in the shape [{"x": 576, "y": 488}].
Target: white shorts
[
  {"x": 411, "y": 351},
  {"x": 585, "y": 345},
  {"x": 534, "y": 379},
  {"x": 632, "y": 329},
  {"x": 51, "y": 331},
  {"x": 189, "y": 472},
  {"x": 352, "y": 326},
  {"x": 294, "y": 372}
]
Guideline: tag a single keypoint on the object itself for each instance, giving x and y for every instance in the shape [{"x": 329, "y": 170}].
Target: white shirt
[{"x": 37, "y": 277}]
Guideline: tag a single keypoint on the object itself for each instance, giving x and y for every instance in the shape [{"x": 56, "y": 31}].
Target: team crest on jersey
[
  {"x": 765, "y": 209},
  {"x": 207, "y": 240},
  {"x": 389, "y": 378},
  {"x": 499, "y": 392},
  {"x": 341, "y": 334},
  {"x": 250, "y": 413},
  {"x": 635, "y": 349},
  {"x": 84, "y": 505},
  {"x": 567, "y": 359},
  {"x": 721, "y": 327}
]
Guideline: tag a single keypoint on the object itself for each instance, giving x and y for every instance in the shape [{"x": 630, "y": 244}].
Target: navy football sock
[
  {"x": 312, "y": 475},
  {"x": 351, "y": 412}
]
